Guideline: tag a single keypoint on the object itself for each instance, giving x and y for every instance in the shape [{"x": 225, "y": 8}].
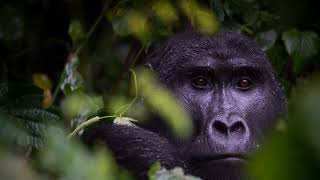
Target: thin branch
[{"x": 86, "y": 124}]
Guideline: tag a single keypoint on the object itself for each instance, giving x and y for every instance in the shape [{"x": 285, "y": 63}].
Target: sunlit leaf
[
  {"x": 203, "y": 19},
  {"x": 165, "y": 11},
  {"x": 131, "y": 22},
  {"x": 164, "y": 103}
]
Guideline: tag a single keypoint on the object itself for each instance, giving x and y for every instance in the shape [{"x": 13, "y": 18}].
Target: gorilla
[{"x": 228, "y": 88}]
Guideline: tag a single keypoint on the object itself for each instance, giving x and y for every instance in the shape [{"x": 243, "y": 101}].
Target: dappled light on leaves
[
  {"x": 165, "y": 11},
  {"x": 201, "y": 18}
]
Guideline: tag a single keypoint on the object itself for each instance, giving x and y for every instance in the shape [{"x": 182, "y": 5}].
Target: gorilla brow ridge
[{"x": 190, "y": 45}]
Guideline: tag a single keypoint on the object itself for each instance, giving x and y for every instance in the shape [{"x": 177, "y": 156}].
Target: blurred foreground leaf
[
  {"x": 165, "y": 11},
  {"x": 130, "y": 22},
  {"x": 69, "y": 160},
  {"x": 295, "y": 153},
  {"x": 163, "y": 102},
  {"x": 157, "y": 172},
  {"x": 23, "y": 120},
  {"x": 15, "y": 168},
  {"x": 201, "y": 18}
]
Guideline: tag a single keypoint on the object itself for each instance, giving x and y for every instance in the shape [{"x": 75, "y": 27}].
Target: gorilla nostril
[
  {"x": 220, "y": 127},
  {"x": 237, "y": 127}
]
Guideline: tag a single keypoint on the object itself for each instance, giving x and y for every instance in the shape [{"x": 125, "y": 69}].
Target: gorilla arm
[{"x": 134, "y": 147}]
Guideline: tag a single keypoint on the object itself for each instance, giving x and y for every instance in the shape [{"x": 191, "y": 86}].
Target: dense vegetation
[{"x": 67, "y": 64}]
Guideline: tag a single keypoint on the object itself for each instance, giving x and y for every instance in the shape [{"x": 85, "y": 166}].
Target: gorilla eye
[
  {"x": 200, "y": 83},
  {"x": 244, "y": 84}
]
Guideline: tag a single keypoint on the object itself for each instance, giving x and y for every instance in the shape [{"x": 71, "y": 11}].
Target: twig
[{"x": 86, "y": 124}]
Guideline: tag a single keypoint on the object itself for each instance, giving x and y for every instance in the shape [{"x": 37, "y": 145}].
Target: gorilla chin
[{"x": 227, "y": 166}]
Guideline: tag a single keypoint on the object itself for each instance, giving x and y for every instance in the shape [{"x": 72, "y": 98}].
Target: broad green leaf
[
  {"x": 35, "y": 114},
  {"x": 23, "y": 120},
  {"x": 266, "y": 39},
  {"x": 301, "y": 44}
]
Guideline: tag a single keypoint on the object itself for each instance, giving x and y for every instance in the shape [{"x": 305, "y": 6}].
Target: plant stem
[{"x": 86, "y": 124}]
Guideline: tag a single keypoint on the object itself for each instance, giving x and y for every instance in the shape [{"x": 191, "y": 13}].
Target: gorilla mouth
[
  {"x": 219, "y": 159},
  {"x": 222, "y": 166}
]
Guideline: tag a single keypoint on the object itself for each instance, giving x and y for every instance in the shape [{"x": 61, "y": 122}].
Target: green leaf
[
  {"x": 301, "y": 44},
  {"x": 76, "y": 32},
  {"x": 153, "y": 170},
  {"x": 266, "y": 39},
  {"x": 217, "y": 7},
  {"x": 35, "y": 114},
  {"x": 278, "y": 57},
  {"x": 69, "y": 160}
]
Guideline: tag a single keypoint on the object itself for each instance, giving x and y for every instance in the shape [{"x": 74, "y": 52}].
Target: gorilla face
[{"x": 228, "y": 88}]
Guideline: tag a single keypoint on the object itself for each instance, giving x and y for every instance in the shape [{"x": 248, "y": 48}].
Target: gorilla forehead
[{"x": 191, "y": 48}]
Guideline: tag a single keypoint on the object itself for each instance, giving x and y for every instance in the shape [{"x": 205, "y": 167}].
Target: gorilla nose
[{"x": 236, "y": 128}]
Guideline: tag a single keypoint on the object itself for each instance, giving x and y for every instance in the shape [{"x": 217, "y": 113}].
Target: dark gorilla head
[{"x": 228, "y": 88}]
